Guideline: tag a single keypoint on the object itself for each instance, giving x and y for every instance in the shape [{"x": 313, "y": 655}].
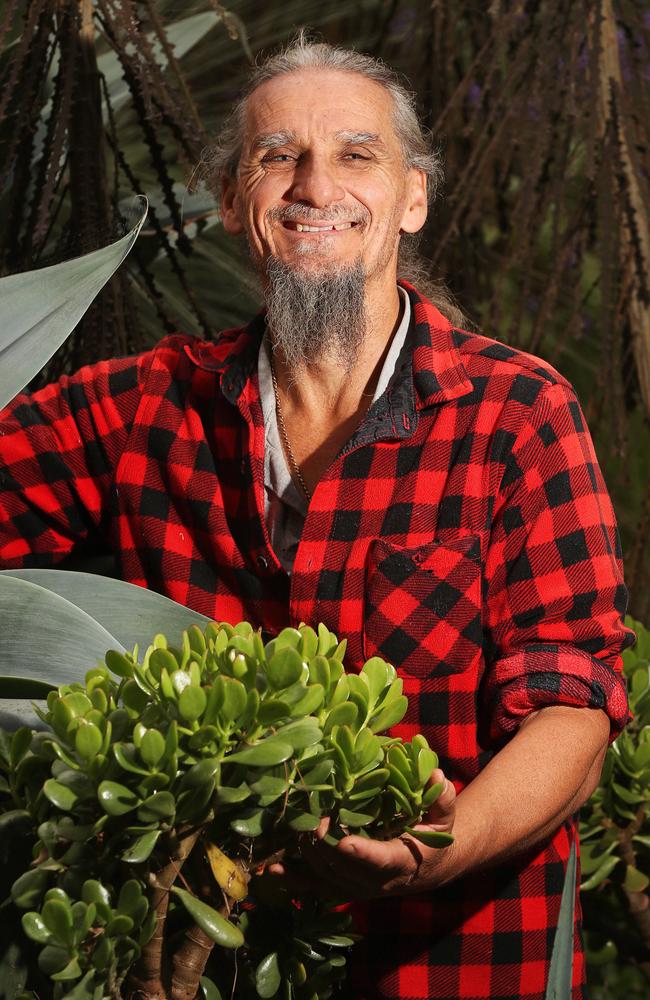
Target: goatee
[{"x": 316, "y": 316}]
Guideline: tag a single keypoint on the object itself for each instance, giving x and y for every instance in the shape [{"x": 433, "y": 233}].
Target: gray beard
[{"x": 316, "y": 316}]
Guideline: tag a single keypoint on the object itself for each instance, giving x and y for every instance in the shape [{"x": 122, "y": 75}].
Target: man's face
[{"x": 322, "y": 181}]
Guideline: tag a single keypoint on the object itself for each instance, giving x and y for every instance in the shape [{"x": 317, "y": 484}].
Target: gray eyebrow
[
  {"x": 268, "y": 140},
  {"x": 349, "y": 135}
]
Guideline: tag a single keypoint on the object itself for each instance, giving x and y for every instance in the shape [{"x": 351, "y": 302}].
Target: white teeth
[{"x": 322, "y": 229}]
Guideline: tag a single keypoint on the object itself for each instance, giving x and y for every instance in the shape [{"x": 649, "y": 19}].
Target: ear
[
  {"x": 230, "y": 207},
  {"x": 416, "y": 207}
]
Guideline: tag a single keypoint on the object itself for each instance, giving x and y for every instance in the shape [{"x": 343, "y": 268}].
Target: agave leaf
[
  {"x": 33, "y": 326},
  {"x": 44, "y": 638},
  {"x": 130, "y": 613}
]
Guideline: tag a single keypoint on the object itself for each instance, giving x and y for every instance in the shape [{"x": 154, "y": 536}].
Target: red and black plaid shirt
[{"x": 464, "y": 533}]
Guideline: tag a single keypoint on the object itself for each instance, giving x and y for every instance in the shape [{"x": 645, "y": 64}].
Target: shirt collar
[{"x": 438, "y": 372}]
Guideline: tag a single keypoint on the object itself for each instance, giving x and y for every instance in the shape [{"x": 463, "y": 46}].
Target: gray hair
[
  {"x": 222, "y": 159},
  {"x": 301, "y": 54}
]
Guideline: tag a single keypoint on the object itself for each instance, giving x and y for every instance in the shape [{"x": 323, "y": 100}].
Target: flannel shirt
[{"x": 464, "y": 533}]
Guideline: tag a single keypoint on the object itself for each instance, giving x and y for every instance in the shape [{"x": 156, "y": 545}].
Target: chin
[{"x": 311, "y": 259}]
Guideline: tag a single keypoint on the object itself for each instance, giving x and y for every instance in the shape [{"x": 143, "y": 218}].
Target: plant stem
[
  {"x": 189, "y": 963},
  {"x": 638, "y": 902},
  {"x": 149, "y": 979}
]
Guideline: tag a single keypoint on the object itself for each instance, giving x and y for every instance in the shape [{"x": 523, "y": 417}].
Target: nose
[{"x": 315, "y": 181}]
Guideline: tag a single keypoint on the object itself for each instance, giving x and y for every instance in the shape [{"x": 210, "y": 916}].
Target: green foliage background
[{"x": 542, "y": 113}]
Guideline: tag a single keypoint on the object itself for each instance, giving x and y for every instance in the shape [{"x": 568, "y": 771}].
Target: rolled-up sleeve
[{"x": 554, "y": 593}]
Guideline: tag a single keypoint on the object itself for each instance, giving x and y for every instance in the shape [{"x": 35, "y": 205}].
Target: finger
[
  {"x": 381, "y": 856},
  {"x": 303, "y": 881},
  {"x": 364, "y": 868},
  {"x": 339, "y": 870},
  {"x": 441, "y": 813}
]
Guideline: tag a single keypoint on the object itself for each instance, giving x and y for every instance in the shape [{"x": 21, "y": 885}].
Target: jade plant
[
  {"x": 615, "y": 850},
  {"x": 132, "y": 824}
]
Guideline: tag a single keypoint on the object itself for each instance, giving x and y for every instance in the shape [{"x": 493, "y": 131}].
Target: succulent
[
  {"x": 615, "y": 843},
  {"x": 159, "y": 787}
]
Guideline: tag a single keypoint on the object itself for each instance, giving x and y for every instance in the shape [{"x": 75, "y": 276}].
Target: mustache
[{"x": 306, "y": 213}]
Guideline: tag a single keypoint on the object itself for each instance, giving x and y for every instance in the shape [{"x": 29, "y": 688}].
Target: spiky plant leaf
[{"x": 33, "y": 326}]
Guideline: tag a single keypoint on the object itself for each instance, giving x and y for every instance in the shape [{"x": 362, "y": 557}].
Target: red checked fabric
[{"x": 464, "y": 533}]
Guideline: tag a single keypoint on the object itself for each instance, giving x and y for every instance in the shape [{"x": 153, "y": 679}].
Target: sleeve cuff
[{"x": 546, "y": 674}]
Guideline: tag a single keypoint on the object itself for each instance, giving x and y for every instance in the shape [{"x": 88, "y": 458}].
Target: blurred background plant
[
  {"x": 542, "y": 113},
  {"x": 615, "y": 847}
]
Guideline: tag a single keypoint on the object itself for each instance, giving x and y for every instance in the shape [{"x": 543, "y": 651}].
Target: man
[{"x": 428, "y": 493}]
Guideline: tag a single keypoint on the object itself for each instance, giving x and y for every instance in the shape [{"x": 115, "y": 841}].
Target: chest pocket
[{"x": 423, "y": 605}]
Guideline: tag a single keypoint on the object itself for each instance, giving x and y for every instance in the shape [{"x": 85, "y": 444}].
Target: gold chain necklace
[{"x": 295, "y": 468}]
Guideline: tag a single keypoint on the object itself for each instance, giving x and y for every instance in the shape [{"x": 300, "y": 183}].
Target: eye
[
  {"x": 355, "y": 156},
  {"x": 277, "y": 158}
]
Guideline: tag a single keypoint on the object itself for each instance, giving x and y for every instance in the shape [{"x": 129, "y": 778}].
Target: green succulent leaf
[
  {"x": 337, "y": 940},
  {"x": 431, "y": 838},
  {"x": 53, "y": 959},
  {"x": 271, "y": 710},
  {"x": 267, "y": 976},
  {"x": 228, "y": 795},
  {"x": 116, "y": 799},
  {"x": 201, "y": 773},
  {"x": 285, "y": 666},
  {"x": 250, "y": 823},
  {"x": 233, "y": 700},
  {"x": 88, "y": 740},
  {"x": 635, "y": 881},
  {"x": 35, "y": 928},
  {"x": 61, "y": 796},
  {"x": 310, "y": 702},
  {"x": 269, "y": 788},
  {"x": 389, "y": 716},
  {"x": 355, "y": 819},
  {"x": 319, "y": 672},
  {"x": 192, "y": 703},
  {"x": 119, "y": 925},
  {"x": 141, "y": 849},
  {"x": 301, "y": 822},
  {"x": 376, "y": 674},
  {"x": 57, "y": 917},
  {"x": 267, "y": 753},
  {"x": 209, "y": 990},
  {"x": 301, "y": 734},
  {"x": 157, "y": 807},
  {"x": 152, "y": 747},
  {"x": 223, "y": 932},
  {"x": 118, "y": 663},
  {"x": 601, "y": 873},
  {"x": 344, "y": 714}
]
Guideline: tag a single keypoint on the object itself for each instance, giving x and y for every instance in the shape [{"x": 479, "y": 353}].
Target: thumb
[{"x": 441, "y": 813}]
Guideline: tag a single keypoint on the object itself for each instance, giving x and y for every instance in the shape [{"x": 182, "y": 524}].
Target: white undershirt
[{"x": 285, "y": 505}]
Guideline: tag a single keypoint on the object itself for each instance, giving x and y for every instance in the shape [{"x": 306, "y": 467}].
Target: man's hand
[
  {"x": 360, "y": 868},
  {"x": 538, "y": 779}
]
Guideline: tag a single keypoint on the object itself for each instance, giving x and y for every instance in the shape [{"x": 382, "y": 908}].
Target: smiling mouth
[{"x": 331, "y": 227}]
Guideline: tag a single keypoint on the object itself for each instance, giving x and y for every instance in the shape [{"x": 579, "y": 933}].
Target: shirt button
[{"x": 262, "y": 562}]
